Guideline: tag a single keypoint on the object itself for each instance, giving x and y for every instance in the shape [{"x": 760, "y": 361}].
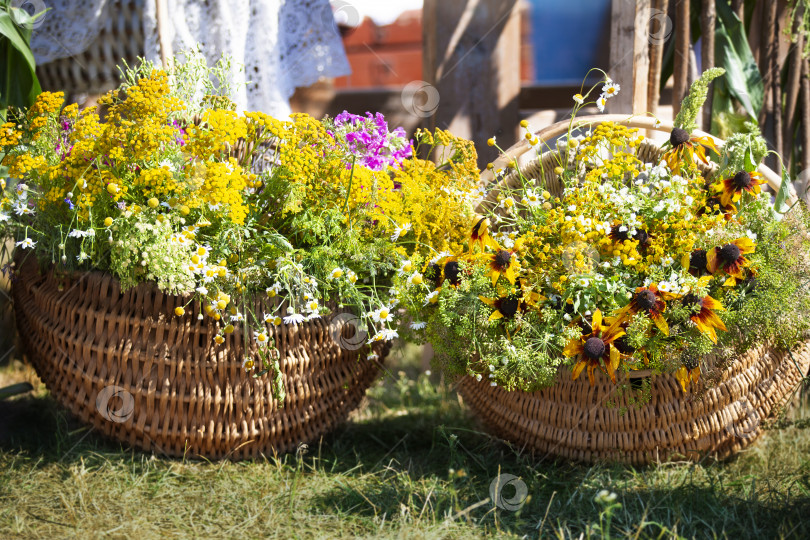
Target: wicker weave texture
[
  {"x": 575, "y": 421},
  {"x": 118, "y": 361},
  {"x": 94, "y": 70}
]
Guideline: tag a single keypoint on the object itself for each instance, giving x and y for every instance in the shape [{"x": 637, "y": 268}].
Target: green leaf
[
  {"x": 749, "y": 164},
  {"x": 11, "y": 31},
  {"x": 733, "y": 53},
  {"x": 780, "y": 203}
]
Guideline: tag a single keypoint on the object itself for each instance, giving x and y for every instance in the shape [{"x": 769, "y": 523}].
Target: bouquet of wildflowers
[
  {"x": 618, "y": 263},
  {"x": 165, "y": 183}
]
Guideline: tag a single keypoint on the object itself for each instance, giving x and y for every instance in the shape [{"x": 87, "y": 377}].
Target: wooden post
[
  {"x": 659, "y": 35},
  {"x": 793, "y": 90},
  {"x": 629, "y": 54},
  {"x": 164, "y": 41},
  {"x": 708, "y": 19},
  {"x": 472, "y": 58},
  {"x": 682, "y": 43}
]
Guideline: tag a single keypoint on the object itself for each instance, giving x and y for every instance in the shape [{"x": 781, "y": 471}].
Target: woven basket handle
[{"x": 519, "y": 150}]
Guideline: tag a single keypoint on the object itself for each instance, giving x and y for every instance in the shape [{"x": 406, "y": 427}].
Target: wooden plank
[
  {"x": 680, "y": 74},
  {"x": 660, "y": 29},
  {"x": 708, "y": 19},
  {"x": 472, "y": 57},
  {"x": 629, "y": 57}
]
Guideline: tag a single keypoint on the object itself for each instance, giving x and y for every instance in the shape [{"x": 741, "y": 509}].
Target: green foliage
[{"x": 18, "y": 80}]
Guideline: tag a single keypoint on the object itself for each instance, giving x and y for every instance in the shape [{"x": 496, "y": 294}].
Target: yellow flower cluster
[
  {"x": 46, "y": 104},
  {"x": 218, "y": 131}
]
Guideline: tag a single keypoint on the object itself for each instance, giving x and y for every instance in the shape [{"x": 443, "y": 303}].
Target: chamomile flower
[
  {"x": 532, "y": 198},
  {"x": 248, "y": 363},
  {"x": 610, "y": 89},
  {"x": 26, "y": 244},
  {"x": 382, "y": 315},
  {"x": 400, "y": 230},
  {"x": 432, "y": 298},
  {"x": 294, "y": 318},
  {"x": 274, "y": 290},
  {"x": 406, "y": 267},
  {"x": 600, "y": 103},
  {"x": 262, "y": 338},
  {"x": 312, "y": 306},
  {"x": 351, "y": 277},
  {"x": 337, "y": 273},
  {"x": 418, "y": 325},
  {"x": 384, "y": 335},
  {"x": 579, "y": 99},
  {"x": 415, "y": 279}
]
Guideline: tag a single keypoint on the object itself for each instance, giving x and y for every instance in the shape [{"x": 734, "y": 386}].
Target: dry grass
[{"x": 411, "y": 464}]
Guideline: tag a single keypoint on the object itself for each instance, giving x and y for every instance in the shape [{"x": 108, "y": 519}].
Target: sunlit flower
[
  {"x": 684, "y": 145},
  {"x": 731, "y": 189},
  {"x": 600, "y": 103},
  {"x": 579, "y": 99},
  {"x": 480, "y": 234},
  {"x": 248, "y": 363},
  {"x": 730, "y": 259},
  {"x": 502, "y": 262},
  {"x": 610, "y": 89},
  {"x": 415, "y": 279},
  {"x": 294, "y": 318},
  {"x": 704, "y": 316},
  {"x": 595, "y": 349},
  {"x": 337, "y": 273},
  {"x": 649, "y": 301},
  {"x": 418, "y": 325},
  {"x": 399, "y": 231}
]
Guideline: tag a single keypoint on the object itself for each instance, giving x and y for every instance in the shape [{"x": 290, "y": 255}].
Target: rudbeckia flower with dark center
[
  {"x": 730, "y": 259},
  {"x": 731, "y": 189},
  {"x": 648, "y": 301},
  {"x": 505, "y": 307},
  {"x": 695, "y": 262},
  {"x": 596, "y": 349},
  {"x": 452, "y": 272},
  {"x": 704, "y": 316},
  {"x": 684, "y": 145},
  {"x": 688, "y": 372},
  {"x": 502, "y": 262}
]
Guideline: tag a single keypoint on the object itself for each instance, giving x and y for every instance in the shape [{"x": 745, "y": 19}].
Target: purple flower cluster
[{"x": 369, "y": 140}]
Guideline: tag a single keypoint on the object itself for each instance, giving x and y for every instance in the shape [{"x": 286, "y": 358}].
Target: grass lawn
[{"x": 411, "y": 464}]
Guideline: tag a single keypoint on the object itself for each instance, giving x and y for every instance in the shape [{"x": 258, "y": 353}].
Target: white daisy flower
[
  {"x": 351, "y": 277},
  {"x": 382, "y": 315},
  {"x": 269, "y": 318},
  {"x": 415, "y": 279},
  {"x": 532, "y": 198},
  {"x": 600, "y": 103},
  {"x": 372, "y": 356},
  {"x": 432, "y": 298},
  {"x": 4, "y": 216},
  {"x": 399, "y": 231},
  {"x": 262, "y": 338},
  {"x": 294, "y": 318},
  {"x": 76, "y": 233},
  {"x": 418, "y": 325},
  {"x": 439, "y": 256},
  {"x": 406, "y": 267},
  {"x": 202, "y": 290},
  {"x": 27, "y": 243},
  {"x": 312, "y": 306},
  {"x": 610, "y": 89},
  {"x": 82, "y": 256},
  {"x": 247, "y": 363},
  {"x": 336, "y": 273},
  {"x": 579, "y": 99}
]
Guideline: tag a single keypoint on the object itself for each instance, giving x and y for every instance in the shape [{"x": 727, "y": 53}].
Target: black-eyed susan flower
[
  {"x": 731, "y": 189},
  {"x": 730, "y": 259},
  {"x": 684, "y": 145},
  {"x": 704, "y": 315},
  {"x": 695, "y": 262},
  {"x": 502, "y": 262},
  {"x": 651, "y": 302},
  {"x": 504, "y": 308},
  {"x": 596, "y": 349}
]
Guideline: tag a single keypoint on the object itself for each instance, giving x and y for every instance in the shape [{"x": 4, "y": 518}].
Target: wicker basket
[
  {"x": 119, "y": 362},
  {"x": 575, "y": 421}
]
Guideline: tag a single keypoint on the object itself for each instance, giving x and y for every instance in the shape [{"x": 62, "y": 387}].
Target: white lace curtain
[{"x": 282, "y": 44}]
